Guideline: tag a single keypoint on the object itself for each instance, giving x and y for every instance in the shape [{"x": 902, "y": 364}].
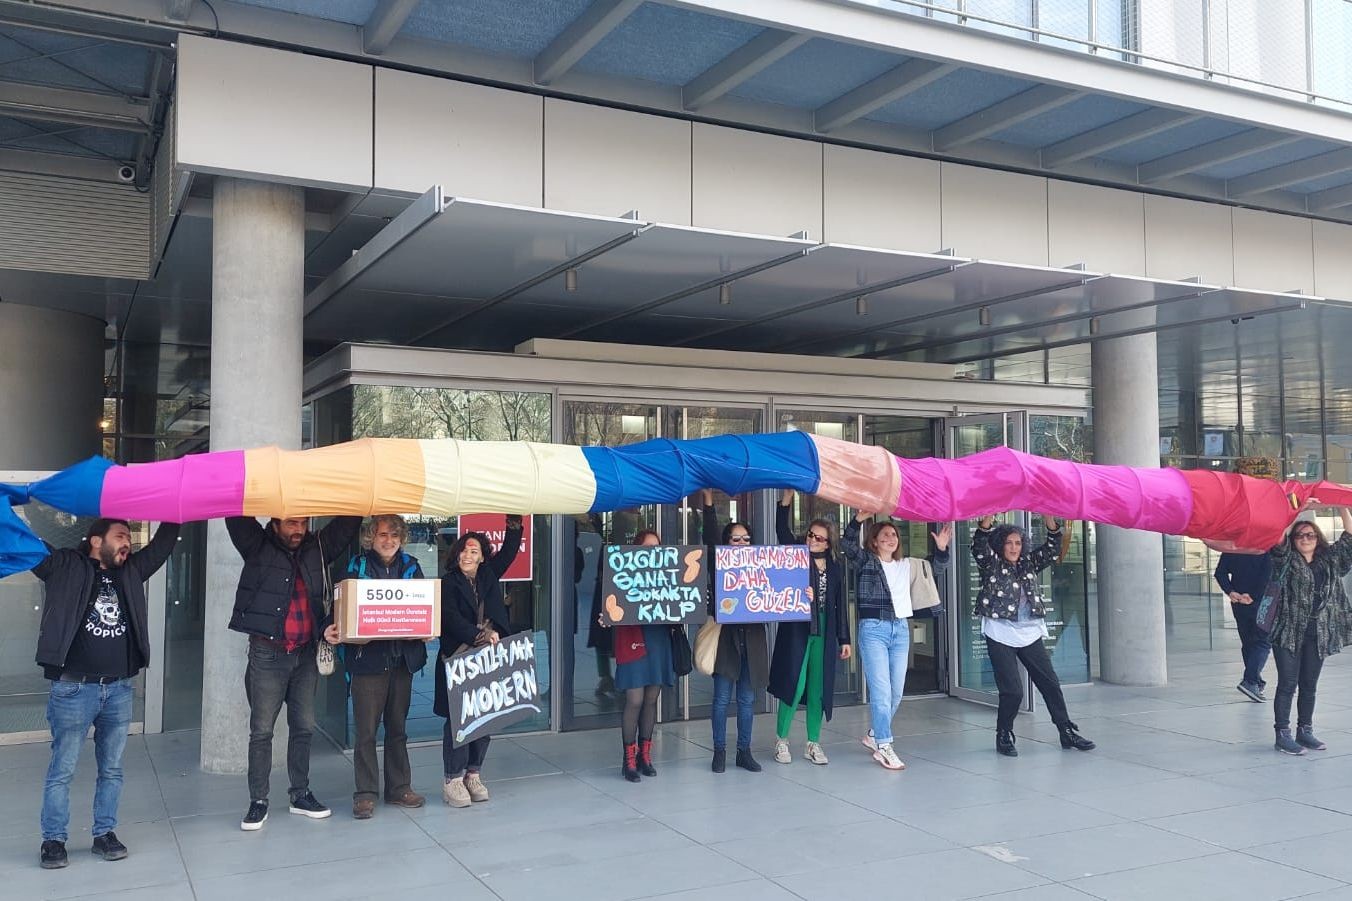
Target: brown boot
[
  {"x": 407, "y": 798},
  {"x": 363, "y": 808}
]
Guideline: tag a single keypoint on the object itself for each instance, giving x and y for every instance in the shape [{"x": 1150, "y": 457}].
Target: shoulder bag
[
  {"x": 706, "y": 646},
  {"x": 324, "y": 658},
  {"x": 1272, "y": 598}
]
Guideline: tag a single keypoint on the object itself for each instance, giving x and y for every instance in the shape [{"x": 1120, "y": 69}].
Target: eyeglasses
[
  {"x": 815, "y": 536},
  {"x": 740, "y": 539},
  {"x": 1301, "y": 535}
]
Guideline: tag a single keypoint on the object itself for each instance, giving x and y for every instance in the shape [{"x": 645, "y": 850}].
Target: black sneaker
[
  {"x": 1252, "y": 691},
  {"x": 307, "y": 806},
  {"x": 108, "y": 847},
  {"x": 54, "y": 855},
  {"x": 256, "y": 817}
]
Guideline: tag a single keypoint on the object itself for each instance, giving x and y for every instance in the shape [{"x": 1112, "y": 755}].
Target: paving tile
[
  {"x": 406, "y": 873},
  {"x": 1220, "y": 877},
  {"x": 1153, "y": 800},
  {"x": 994, "y": 823},
  {"x": 937, "y": 876},
  {"x": 804, "y": 849},
  {"x": 754, "y": 890},
  {"x": 1255, "y": 823},
  {"x": 1324, "y": 855},
  {"x": 681, "y": 870},
  {"x": 1106, "y": 849}
]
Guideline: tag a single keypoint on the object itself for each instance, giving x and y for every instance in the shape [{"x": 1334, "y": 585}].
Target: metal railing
[{"x": 1298, "y": 49}]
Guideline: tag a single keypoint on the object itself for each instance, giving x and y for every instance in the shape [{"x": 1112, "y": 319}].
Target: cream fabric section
[{"x": 505, "y": 477}]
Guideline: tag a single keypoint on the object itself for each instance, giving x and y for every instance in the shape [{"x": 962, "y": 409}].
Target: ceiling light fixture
[
  {"x": 725, "y": 294},
  {"x": 861, "y": 305},
  {"x": 570, "y": 280}
]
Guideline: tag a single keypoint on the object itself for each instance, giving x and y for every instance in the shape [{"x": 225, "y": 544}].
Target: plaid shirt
[{"x": 300, "y": 623}]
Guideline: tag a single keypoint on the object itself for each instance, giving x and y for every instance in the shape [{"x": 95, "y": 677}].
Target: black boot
[
  {"x": 1286, "y": 744},
  {"x": 1004, "y": 743},
  {"x": 1072, "y": 739},
  {"x": 1305, "y": 738},
  {"x": 645, "y": 758},
  {"x": 630, "y": 765},
  {"x": 746, "y": 761},
  {"x": 720, "y": 763}
]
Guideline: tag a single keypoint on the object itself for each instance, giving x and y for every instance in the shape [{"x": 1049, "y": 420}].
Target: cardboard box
[{"x": 373, "y": 609}]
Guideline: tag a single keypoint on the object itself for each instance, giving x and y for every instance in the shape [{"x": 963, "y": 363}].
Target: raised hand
[
  {"x": 986, "y": 522},
  {"x": 941, "y": 537},
  {"x": 1050, "y": 522}
]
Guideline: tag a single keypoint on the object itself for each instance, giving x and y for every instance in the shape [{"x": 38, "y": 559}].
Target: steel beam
[
  {"x": 1114, "y": 134},
  {"x": 1213, "y": 153},
  {"x": 1331, "y": 199},
  {"x": 743, "y": 63},
  {"x": 49, "y": 104},
  {"x": 888, "y": 87},
  {"x": 1287, "y": 174},
  {"x": 386, "y": 19},
  {"x": 586, "y": 31},
  {"x": 995, "y": 118}
]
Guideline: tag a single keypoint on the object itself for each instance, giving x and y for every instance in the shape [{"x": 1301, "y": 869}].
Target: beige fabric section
[
  {"x": 505, "y": 477},
  {"x": 370, "y": 475},
  {"x": 857, "y": 475}
]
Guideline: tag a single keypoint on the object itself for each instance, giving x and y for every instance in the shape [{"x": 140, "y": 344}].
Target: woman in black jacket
[
  {"x": 1313, "y": 622},
  {"x": 804, "y": 662},
  {"x": 742, "y": 660},
  {"x": 381, "y": 674},
  {"x": 472, "y": 614}
]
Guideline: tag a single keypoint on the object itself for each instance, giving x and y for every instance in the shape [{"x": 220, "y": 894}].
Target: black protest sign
[
  {"x": 656, "y": 585},
  {"x": 492, "y": 687}
]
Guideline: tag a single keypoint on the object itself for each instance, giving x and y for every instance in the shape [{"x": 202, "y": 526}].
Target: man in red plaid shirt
[{"x": 281, "y": 606}]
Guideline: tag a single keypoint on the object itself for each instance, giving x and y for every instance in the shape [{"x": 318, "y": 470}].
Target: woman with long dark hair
[
  {"x": 472, "y": 615},
  {"x": 742, "y": 661},
  {"x": 1313, "y": 622},
  {"x": 643, "y": 665},
  {"x": 804, "y": 663}
]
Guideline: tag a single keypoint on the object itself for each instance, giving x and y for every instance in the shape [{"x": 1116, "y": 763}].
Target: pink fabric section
[
  {"x": 993, "y": 481},
  {"x": 202, "y": 486}
]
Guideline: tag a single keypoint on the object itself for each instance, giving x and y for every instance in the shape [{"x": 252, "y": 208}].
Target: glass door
[{"x": 971, "y": 677}]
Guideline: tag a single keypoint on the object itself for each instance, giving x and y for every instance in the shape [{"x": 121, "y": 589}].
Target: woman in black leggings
[{"x": 1313, "y": 622}]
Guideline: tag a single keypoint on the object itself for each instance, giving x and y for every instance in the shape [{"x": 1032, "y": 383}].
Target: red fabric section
[{"x": 1235, "y": 512}]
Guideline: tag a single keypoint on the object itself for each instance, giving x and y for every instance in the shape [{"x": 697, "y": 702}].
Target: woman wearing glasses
[
  {"x": 742, "y": 660},
  {"x": 804, "y": 662},
  {"x": 1313, "y": 621}
]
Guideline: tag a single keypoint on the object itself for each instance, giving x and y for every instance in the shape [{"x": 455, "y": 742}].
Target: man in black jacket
[
  {"x": 93, "y": 641},
  {"x": 280, "y": 605}
]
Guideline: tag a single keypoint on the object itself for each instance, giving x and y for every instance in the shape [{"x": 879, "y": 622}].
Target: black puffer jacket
[
  {"x": 69, "y": 577},
  {"x": 998, "y": 597},
  {"x": 264, "y": 592}
]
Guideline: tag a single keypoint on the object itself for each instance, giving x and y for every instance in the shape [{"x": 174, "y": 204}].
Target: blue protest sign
[{"x": 761, "y": 583}]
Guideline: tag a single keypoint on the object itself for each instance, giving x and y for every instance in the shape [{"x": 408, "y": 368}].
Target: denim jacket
[{"x": 872, "y": 596}]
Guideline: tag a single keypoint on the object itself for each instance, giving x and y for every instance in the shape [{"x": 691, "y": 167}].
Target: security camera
[{"x": 126, "y": 172}]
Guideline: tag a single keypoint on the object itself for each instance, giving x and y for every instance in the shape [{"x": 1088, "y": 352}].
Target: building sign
[
  {"x": 494, "y": 526},
  {"x": 655, "y": 585},
  {"x": 492, "y": 687},
  {"x": 761, "y": 583}
]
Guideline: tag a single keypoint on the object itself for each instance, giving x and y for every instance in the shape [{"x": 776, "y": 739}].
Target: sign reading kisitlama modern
[
  {"x": 656, "y": 585},
  {"x": 762, "y": 583},
  {"x": 492, "y": 687},
  {"x": 371, "y": 609},
  {"x": 494, "y": 526}
]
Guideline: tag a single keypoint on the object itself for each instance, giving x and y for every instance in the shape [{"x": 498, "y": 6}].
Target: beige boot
[
  {"x": 476, "y": 788},
  {"x": 454, "y": 793}
]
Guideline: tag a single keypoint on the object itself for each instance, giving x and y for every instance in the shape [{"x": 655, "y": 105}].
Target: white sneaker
[
  {"x": 815, "y": 754},
  {"x": 782, "y": 754},
  {"x": 888, "y": 758},
  {"x": 868, "y": 741}
]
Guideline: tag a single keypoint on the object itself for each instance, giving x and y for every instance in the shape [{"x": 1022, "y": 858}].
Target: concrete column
[
  {"x": 51, "y": 367},
  {"x": 1130, "y": 563},
  {"x": 257, "y": 286}
]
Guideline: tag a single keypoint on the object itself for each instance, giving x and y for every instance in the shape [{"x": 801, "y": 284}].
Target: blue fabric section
[
  {"x": 76, "y": 489},
  {"x": 663, "y": 471}
]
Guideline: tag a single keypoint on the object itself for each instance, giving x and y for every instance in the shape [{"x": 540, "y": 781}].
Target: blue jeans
[
  {"x": 72, "y": 707},
  {"x": 884, "y": 650},
  {"x": 746, "y": 708},
  {"x": 1253, "y": 642}
]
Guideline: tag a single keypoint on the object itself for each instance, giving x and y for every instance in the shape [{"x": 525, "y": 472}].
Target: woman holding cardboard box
[
  {"x": 472, "y": 615},
  {"x": 381, "y": 674}
]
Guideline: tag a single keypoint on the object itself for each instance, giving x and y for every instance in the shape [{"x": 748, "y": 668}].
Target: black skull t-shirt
[{"x": 104, "y": 644}]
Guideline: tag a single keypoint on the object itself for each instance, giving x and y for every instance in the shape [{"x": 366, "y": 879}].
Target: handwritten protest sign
[
  {"x": 653, "y": 585},
  {"x": 492, "y": 687},
  {"x": 761, "y": 584},
  {"x": 494, "y": 526}
]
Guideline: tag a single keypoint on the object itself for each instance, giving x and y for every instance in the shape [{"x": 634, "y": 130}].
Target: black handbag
[
  {"x": 1271, "y": 603},
  {"x": 682, "y": 658}
]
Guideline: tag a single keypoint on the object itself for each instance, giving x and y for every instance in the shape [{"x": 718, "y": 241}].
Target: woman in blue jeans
[
  {"x": 891, "y": 587},
  {"x": 742, "y": 662}
]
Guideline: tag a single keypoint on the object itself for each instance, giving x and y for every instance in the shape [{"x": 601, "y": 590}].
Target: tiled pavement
[{"x": 1185, "y": 798}]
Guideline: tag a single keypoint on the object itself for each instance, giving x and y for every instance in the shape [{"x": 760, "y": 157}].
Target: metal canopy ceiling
[{"x": 465, "y": 273}]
